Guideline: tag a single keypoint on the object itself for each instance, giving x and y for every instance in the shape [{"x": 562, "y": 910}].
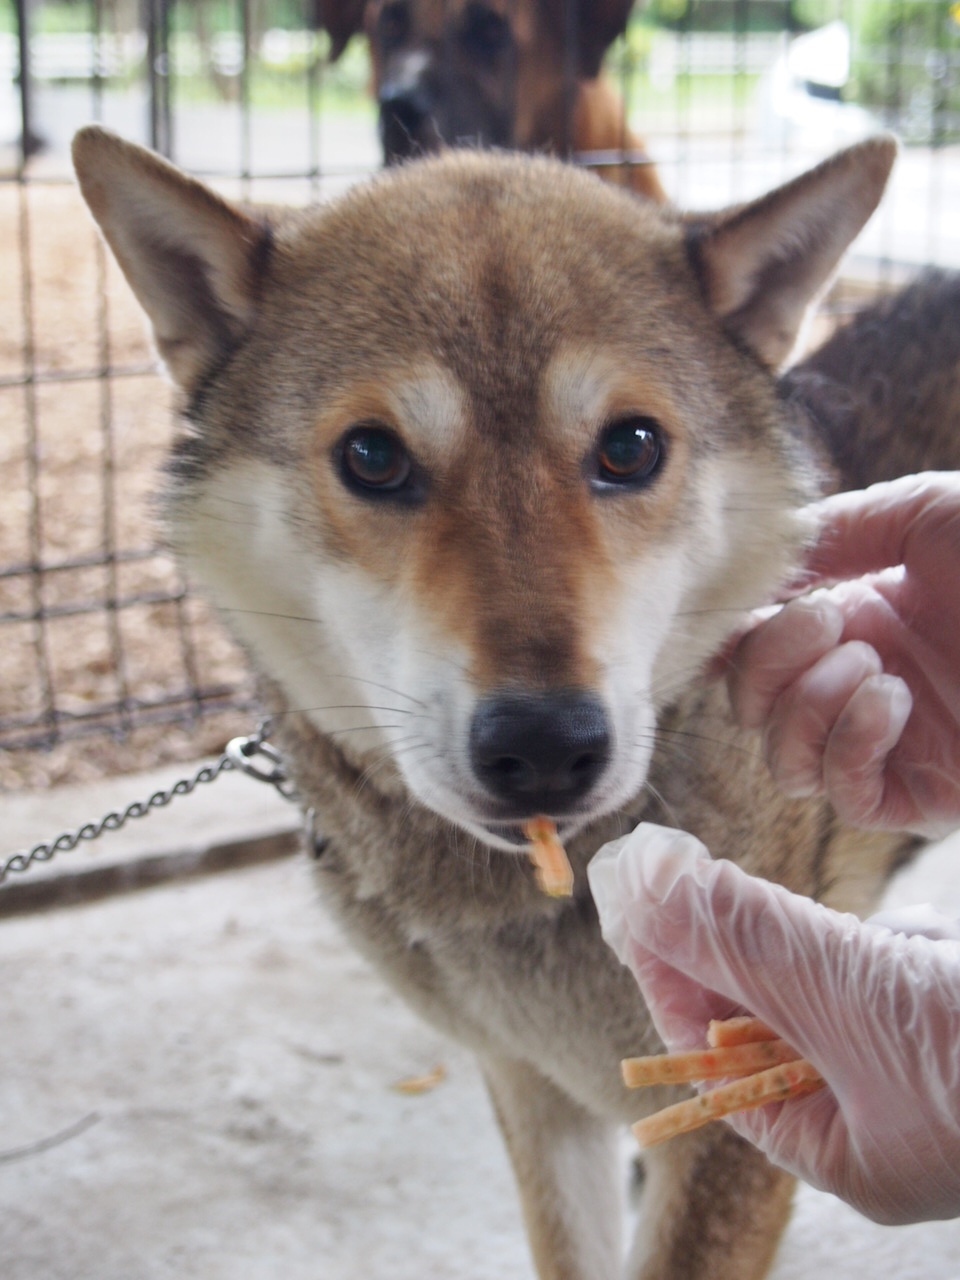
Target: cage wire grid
[
  {"x": 110, "y": 663},
  {"x": 88, "y": 600}
]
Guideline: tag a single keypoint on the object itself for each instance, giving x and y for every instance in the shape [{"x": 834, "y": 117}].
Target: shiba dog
[
  {"x": 524, "y": 74},
  {"x": 482, "y": 462}
]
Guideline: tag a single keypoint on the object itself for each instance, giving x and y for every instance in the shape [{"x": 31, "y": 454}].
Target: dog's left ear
[
  {"x": 594, "y": 25},
  {"x": 763, "y": 264},
  {"x": 193, "y": 260}
]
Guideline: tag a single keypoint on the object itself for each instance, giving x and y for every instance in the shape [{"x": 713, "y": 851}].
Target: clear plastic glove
[
  {"x": 857, "y": 686},
  {"x": 876, "y": 1012}
]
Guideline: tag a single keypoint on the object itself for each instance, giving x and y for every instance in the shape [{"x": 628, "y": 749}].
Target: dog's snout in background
[
  {"x": 539, "y": 752},
  {"x": 407, "y": 105},
  {"x": 518, "y": 74}
]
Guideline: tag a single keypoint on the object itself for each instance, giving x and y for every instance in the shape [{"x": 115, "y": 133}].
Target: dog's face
[
  {"x": 483, "y": 459},
  {"x": 499, "y": 73},
  {"x": 443, "y": 72}
]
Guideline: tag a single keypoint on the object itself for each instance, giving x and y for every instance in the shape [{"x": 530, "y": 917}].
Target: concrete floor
[{"x": 197, "y": 1080}]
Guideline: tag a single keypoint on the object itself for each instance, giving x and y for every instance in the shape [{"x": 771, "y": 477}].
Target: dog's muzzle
[{"x": 408, "y": 101}]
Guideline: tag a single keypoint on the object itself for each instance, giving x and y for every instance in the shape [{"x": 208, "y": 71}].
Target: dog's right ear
[
  {"x": 193, "y": 260},
  {"x": 763, "y": 264}
]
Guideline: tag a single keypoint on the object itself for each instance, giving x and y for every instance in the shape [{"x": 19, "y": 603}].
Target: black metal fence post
[
  {"x": 156, "y": 20},
  {"x": 28, "y": 142}
]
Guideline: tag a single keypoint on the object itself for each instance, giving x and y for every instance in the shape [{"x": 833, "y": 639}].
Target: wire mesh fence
[{"x": 109, "y": 662}]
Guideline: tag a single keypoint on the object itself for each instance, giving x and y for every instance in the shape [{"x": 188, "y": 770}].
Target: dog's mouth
[{"x": 511, "y": 837}]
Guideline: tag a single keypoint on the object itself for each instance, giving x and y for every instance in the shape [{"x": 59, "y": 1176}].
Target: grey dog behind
[{"x": 884, "y": 392}]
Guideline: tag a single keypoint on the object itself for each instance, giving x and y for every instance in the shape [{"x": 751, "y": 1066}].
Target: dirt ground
[
  {"x": 198, "y": 1082},
  {"x": 89, "y": 446}
]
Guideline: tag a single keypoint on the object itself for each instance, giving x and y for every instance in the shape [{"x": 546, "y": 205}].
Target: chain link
[{"x": 242, "y": 753}]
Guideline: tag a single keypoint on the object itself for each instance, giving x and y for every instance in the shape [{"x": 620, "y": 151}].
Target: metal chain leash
[{"x": 252, "y": 755}]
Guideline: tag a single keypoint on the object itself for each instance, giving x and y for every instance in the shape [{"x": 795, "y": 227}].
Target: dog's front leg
[
  {"x": 713, "y": 1208},
  {"x": 566, "y": 1167}
]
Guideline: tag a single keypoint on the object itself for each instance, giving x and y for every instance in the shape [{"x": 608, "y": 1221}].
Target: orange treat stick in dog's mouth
[{"x": 554, "y": 873}]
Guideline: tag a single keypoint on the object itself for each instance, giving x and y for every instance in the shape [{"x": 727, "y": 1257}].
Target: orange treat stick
[
  {"x": 554, "y": 873},
  {"x": 745, "y": 1030},
  {"x": 776, "y": 1084},
  {"x": 413, "y": 1085},
  {"x": 705, "y": 1064}
]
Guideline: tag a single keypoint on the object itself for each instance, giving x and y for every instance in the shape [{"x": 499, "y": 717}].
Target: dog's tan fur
[
  {"x": 495, "y": 314},
  {"x": 536, "y": 85}
]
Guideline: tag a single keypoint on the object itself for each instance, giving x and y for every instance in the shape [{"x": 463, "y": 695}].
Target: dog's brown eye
[
  {"x": 485, "y": 32},
  {"x": 373, "y": 458},
  {"x": 630, "y": 451},
  {"x": 393, "y": 25}
]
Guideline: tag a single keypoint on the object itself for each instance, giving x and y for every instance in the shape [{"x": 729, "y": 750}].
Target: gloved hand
[
  {"x": 857, "y": 686},
  {"x": 876, "y": 1012}
]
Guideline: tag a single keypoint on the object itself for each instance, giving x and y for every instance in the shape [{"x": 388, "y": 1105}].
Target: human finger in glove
[
  {"x": 874, "y": 1008},
  {"x": 856, "y": 686}
]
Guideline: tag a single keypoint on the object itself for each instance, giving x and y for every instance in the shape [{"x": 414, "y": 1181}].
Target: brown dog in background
[{"x": 518, "y": 74}]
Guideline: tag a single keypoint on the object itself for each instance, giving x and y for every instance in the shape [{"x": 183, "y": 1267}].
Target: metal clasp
[{"x": 258, "y": 759}]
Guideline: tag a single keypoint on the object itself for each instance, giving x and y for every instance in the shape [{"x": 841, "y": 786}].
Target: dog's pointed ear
[
  {"x": 341, "y": 19},
  {"x": 193, "y": 260},
  {"x": 763, "y": 264},
  {"x": 594, "y": 24}
]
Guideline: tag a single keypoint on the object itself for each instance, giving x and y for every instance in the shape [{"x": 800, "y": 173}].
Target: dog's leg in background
[
  {"x": 565, "y": 1162},
  {"x": 713, "y": 1208}
]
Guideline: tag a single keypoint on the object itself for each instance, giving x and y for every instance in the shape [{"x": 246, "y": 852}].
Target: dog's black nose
[
  {"x": 540, "y": 752},
  {"x": 405, "y": 111}
]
